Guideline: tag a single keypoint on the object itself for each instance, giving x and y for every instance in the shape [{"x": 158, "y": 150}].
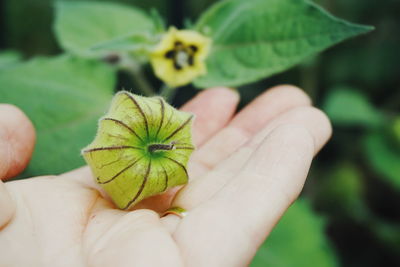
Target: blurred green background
[{"x": 353, "y": 192}]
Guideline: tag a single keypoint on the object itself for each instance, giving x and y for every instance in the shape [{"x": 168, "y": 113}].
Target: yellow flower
[{"x": 179, "y": 58}]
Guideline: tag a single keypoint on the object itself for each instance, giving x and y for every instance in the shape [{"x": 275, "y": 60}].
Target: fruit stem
[
  {"x": 135, "y": 71},
  {"x": 168, "y": 93},
  {"x": 154, "y": 147}
]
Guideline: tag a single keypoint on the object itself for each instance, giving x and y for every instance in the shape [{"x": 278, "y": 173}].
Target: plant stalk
[
  {"x": 138, "y": 77},
  {"x": 168, "y": 93},
  {"x": 143, "y": 84}
]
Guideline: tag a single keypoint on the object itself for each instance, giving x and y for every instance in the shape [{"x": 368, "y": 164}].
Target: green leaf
[
  {"x": 298, "y": 240},
  {"x": 133, "y": 42},
  {"x": 64, "y": 97},
  {"x": 395, "y": 130},
  {"x": 348, "y": 107},
  {"x": 159, "y": 21},
  {"x": 341, "y": 191},
  {"x": 81, "y": 25},
  {"x": 383, "y": 157},
  {"x": 255, "y": 39},
  {"x": 9, "y": 58}
]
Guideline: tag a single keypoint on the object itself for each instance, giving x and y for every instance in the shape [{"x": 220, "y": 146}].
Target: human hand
[{"x": 247, "y": 170}]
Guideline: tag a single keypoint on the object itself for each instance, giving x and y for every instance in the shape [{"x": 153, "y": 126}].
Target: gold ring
[{"x": 178, "y": 211}]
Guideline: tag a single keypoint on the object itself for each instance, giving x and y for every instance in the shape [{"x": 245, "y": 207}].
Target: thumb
[{"x": 17, "y": 138}]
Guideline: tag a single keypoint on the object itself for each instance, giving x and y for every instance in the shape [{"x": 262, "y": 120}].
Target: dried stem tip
[{"x": 154, "y": 147}]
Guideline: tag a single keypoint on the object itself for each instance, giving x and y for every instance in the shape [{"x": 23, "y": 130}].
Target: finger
[
  {"x": 242, "y": 127},
  {"x": 16, "y": 144},
  {"x": 203, "y": 189},
  {"x": 250, "y": 120},
  {"x": 19, "y": 135},
  {"x": 245, "y": 210},
  {"x": 245, "y": 124},
  {"x": 213, "y": 109},
  {"x": 260, "y": 113},
  {"x": 6, "y": 204}
]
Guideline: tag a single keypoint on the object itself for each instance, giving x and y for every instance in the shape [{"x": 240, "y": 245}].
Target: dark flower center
[{"x": 182, "y": 55}]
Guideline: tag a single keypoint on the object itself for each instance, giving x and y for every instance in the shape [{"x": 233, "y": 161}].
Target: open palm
[{"x": 247, "y": 169}]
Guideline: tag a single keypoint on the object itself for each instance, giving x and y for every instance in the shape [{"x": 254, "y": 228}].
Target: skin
[{"x": 248, "y": 168}]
